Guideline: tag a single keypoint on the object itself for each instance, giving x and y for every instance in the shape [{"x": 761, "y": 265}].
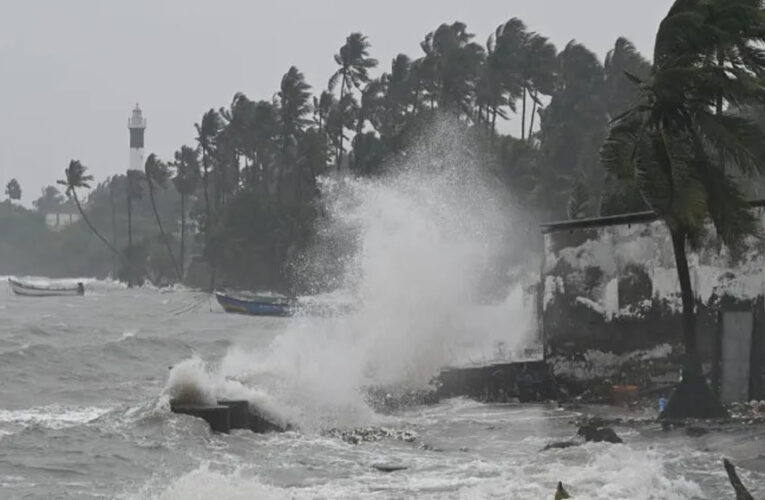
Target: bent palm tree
[
  {"x": 75, "y": 179},
  {"x": 186, "y": 180},
  {"x": 157, "y": 174},
  {"x": 677, "y": 145}
]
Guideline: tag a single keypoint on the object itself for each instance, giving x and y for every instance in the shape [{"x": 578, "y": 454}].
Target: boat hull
[
  {"x": 254, "y": 307},
  {"x": 31, "y": 290}
]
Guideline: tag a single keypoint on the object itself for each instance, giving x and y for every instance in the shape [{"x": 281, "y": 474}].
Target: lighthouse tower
[{"x": 136, "y": 124}]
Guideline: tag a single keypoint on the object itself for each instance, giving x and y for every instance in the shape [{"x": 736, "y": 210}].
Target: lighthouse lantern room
[{"x": 137, "y": 125}]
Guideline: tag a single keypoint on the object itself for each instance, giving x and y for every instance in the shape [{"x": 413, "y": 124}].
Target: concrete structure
[
  {"x": 137, "y": 126},
  {"x": 611, "y": 300}
]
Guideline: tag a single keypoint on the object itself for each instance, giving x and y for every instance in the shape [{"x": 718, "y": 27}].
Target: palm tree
[
  {"x": 207, "y": 133},
  {"x": 398, "y": 89},
  {"x": 369, "y": 105},
  {"x": 453, "y": 63},
  {"x": 186, "y": 180},
  {"x": 540, "y": 63},
  {"x": 321, "y": 108},
  {"x": 355, "y": 63},
  {"x": 529, "y": 61},
  {"x": 110, "y": 183},
  {"x": 294, "y": 107},
  {"x": 677, "y": 144},
  {"x": 622, "y": 93},
  {"x": 13, "y": 190},
  {"x": 133, "y": 191},
  {"x": 342, "y": 116},
  {"x": 157, "y": 173},
  {"x": 494, "y": 85},
  {"x": 75, "y": 178}
]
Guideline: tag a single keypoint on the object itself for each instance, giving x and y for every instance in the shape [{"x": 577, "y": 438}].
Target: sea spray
[
  {"x": 191, "y": 382},
  {"x": 416, "y": 249}
]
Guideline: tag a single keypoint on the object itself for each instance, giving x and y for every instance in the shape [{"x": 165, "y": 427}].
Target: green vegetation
[{"x": 245, "y": 195}]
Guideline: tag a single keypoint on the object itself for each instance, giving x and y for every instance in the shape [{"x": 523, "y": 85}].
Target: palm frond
[
  {"x": 729, "y": 210},
  {"x": 738, "y": 141}
]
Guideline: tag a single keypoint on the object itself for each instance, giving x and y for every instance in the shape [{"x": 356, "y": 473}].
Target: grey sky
[{"x": 71, "y": 70}]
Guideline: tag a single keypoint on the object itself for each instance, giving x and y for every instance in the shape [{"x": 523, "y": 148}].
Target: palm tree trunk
[
  {"x": 686, "y": 293},
  {"x": 533, "y": 113},
  {"x": 124, "y": 260},
  {"x": 720, "y": 64},
  {"x": 205, "y": 182},
  {"x": 183, "y": 232},
  {"x": 523, "y": 116},
  {"x": 162, "y": 231},
  {"x": 340, "y": 149},
  {"x": 130, "y": 239},
  {"x": 114, "y": 230},
  {"x": 93, "y": 229},
  {"x": 493, "y": 124},
  {"x": 692, "y": 398}
]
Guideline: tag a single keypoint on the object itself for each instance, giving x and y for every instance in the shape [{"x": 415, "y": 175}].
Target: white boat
[{"x": 45, "y": 290}]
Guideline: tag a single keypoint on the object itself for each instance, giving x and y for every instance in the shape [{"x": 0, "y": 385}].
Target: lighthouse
[{"x": 136, "y": 125}]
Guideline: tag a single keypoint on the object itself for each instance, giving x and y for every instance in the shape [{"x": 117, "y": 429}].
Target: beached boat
[
  {"x": 256, "y": 305},
  {"x": 30, "y": 289}
]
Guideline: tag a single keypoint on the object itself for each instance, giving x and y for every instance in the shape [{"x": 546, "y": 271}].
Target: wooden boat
[
  {"x": 256, "y": 305},
  {"x": 28, "y": 289}
]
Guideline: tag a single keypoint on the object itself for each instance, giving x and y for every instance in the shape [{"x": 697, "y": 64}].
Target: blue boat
[{"x": 256, "y": 305}]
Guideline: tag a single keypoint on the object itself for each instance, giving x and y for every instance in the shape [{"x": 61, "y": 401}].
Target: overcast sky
[{"x": 72, "y": 70}]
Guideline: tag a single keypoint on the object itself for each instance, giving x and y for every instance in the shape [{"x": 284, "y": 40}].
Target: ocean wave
[{"x": 52, "y": 416}]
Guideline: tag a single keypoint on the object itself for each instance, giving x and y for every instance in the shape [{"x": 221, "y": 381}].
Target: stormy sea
[{"x": 86, "y": 381}]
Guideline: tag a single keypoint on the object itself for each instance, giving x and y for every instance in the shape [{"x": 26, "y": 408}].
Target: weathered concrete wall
[{"x": 611, "y": 285}]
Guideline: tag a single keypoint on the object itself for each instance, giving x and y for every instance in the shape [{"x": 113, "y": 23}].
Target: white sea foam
[
  {"x": 53, "y": 416},
  {"x": 602, "y": 472},
  {"x": 416, "y": 248}
]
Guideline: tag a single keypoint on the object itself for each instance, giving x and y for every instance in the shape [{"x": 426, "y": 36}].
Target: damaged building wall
[{"x": 610, "y": 290}]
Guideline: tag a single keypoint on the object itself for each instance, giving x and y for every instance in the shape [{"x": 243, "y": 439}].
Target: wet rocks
[
  {"x": 561, "y": 445},
  {"x": 372, "y": 434},
  {"x": 389, "y": 467},
  {"x": 390, "y": 399},
  {"x": 694, "y": 431},
  {"x": 560, "y": 492},
  {"x": 593, "y": 432},
  {"x": 750, "y": 412}
]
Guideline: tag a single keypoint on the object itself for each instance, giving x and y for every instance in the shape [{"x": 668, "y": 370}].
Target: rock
[
  {"x": 389, "y": 467},
  {"x": 370, "y": 434},
  {"x": 559, "y": 445},
  {"x": 741, "y": 492},
  {"x": 430, "y": 447},
  {"x": 560, "y": 492},
  {"x": 696, "y": 431},
  {"x": 597, "y": 434}
]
